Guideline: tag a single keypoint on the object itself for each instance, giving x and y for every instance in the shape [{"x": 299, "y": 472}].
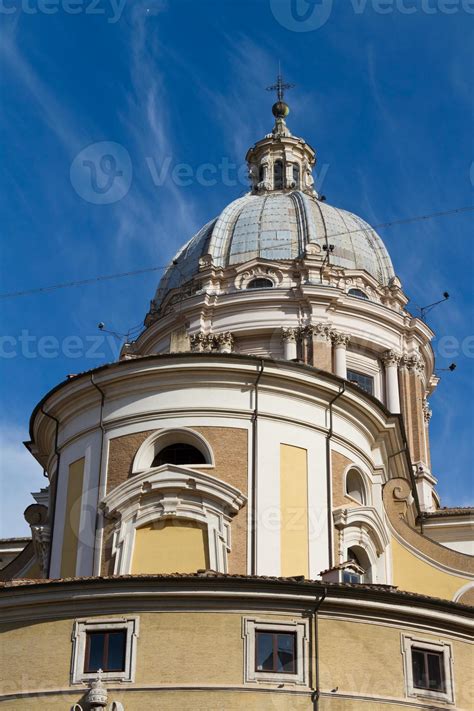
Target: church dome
[
  {"x": 279, "y": 226},
  {"x": 280, "y": 218}
]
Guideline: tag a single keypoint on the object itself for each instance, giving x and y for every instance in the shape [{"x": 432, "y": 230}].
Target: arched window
[
  {"x": 355, "y": 486},
  {"x": 278, "y": 175},
  {"x": 358, "y": 293},
  {"x": 296, "y": 175},
  {"x": 260, "y": 283},
  {"x": 179, "y": 453},
  {"x": 261, "y": 173},
  {"x": 359, "y": 556}
]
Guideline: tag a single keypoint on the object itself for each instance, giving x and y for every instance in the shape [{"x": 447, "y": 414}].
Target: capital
[
  {"x": 340, "y": 340},
  {"x": 225, "y": 341},
  {"x": 391, "y": 357},
  {"x": 323, "y": 330},
  {"x": 413, "y": 363},
  {"x": 288, "y": 335}
]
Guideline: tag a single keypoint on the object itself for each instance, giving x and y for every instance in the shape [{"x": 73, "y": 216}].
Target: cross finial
[{"x": 281, "y": 86}]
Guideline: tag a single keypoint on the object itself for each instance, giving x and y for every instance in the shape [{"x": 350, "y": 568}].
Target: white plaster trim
[
  {"x": 458, "y": 595},
  {"x": 81, "y": 627},
  {"x": 158, "y": 440},
  {"x": 172, "y": 491},
  {"x": 250, "y": 626},
  {"x": 407, "y": 643}
]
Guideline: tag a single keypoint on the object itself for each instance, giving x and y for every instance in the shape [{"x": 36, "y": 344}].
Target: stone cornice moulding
[
  {"x": 32, "y": 601},
  {"x": 133, "y": 377}
]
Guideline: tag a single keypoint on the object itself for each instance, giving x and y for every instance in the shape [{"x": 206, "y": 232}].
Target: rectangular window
[
  {"x": 275, "y": 652},
  {"x": 428, "y": 667},
  {"x": 365, "y": 382},
  {"x": 107, "y": 644},
  {"x": 428, "y": 670},
  {"x": 105, "y": 650}
]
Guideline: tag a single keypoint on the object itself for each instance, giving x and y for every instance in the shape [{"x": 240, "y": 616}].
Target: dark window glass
[
  {"x": 427, "y": 670},
  {"x": 179, "y": 454},
  {"x": 348, "y": 577},
  {"x": 261, "y": 173},
  {"x": 365, "y": 382},
  {"x": 106, "y": 651},
  {"x": 276, "y": 652},
  {"x": 296, "y": 175},
  {"x": 260, "y": 283},
  {"x": 357, "y": 292},
  {"x": 278, "y": 175}
]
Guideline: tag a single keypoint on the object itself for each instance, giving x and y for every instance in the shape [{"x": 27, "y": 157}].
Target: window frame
[
  {"x": 364, "y": 375},
  {"x": 275, "y": 634},
  {"x": 444, "y": 649},
  {"x": 270, "y": 284},
  {"x": 79, "y": 648},
  {"x": 365, "y": 489},
  {"x": 249, "y": 633}
]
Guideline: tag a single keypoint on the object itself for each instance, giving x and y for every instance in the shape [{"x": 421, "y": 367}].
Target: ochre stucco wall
[
  {"x": 415, "y": 575},
  {"x": 360, "y": 659}
]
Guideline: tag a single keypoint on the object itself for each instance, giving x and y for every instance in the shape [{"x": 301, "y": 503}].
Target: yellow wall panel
[
  {"x": 294, "y": 542},
  {"x": 413, "y": 574},
  {"x": 72, "y": 519},
  {"x": 170, "y": 546}
]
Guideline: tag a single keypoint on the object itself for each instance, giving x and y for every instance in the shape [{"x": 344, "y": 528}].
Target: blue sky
[{"x": 384, "y": 93}]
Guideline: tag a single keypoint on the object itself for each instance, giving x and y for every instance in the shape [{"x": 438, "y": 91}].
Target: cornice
[
  {"x": 76, "y": 395},
  {"x": 46, "y": 599}
]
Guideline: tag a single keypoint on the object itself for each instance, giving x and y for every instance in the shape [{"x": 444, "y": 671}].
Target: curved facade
[{"x": 242, "y": 509}]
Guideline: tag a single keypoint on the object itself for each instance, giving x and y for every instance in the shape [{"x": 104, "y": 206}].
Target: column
[
  {"x": 391, "y": 359},
  {"x": 288, "y": 336},
  {"x": 340, "y": 341}
]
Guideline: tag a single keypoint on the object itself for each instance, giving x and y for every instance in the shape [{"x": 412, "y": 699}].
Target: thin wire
[
  {"x": 120, "y": 275},
  {"x": 81, "y": 282}
]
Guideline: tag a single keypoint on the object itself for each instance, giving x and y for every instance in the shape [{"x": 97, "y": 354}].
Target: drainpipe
[
  {"x": 55, "y": 491},
  {"x": 253, "y": 517},
  {"x": 329, "y": 475},
  {"x": 317, "y": 691},
  {"x": 99, "y": 489}
]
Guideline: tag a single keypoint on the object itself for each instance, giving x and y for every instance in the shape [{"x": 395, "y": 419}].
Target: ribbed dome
[{"x": 278, "y": 226}]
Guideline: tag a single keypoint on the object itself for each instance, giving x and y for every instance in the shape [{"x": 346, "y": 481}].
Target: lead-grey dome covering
[{"x": 278, "y": 226}]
